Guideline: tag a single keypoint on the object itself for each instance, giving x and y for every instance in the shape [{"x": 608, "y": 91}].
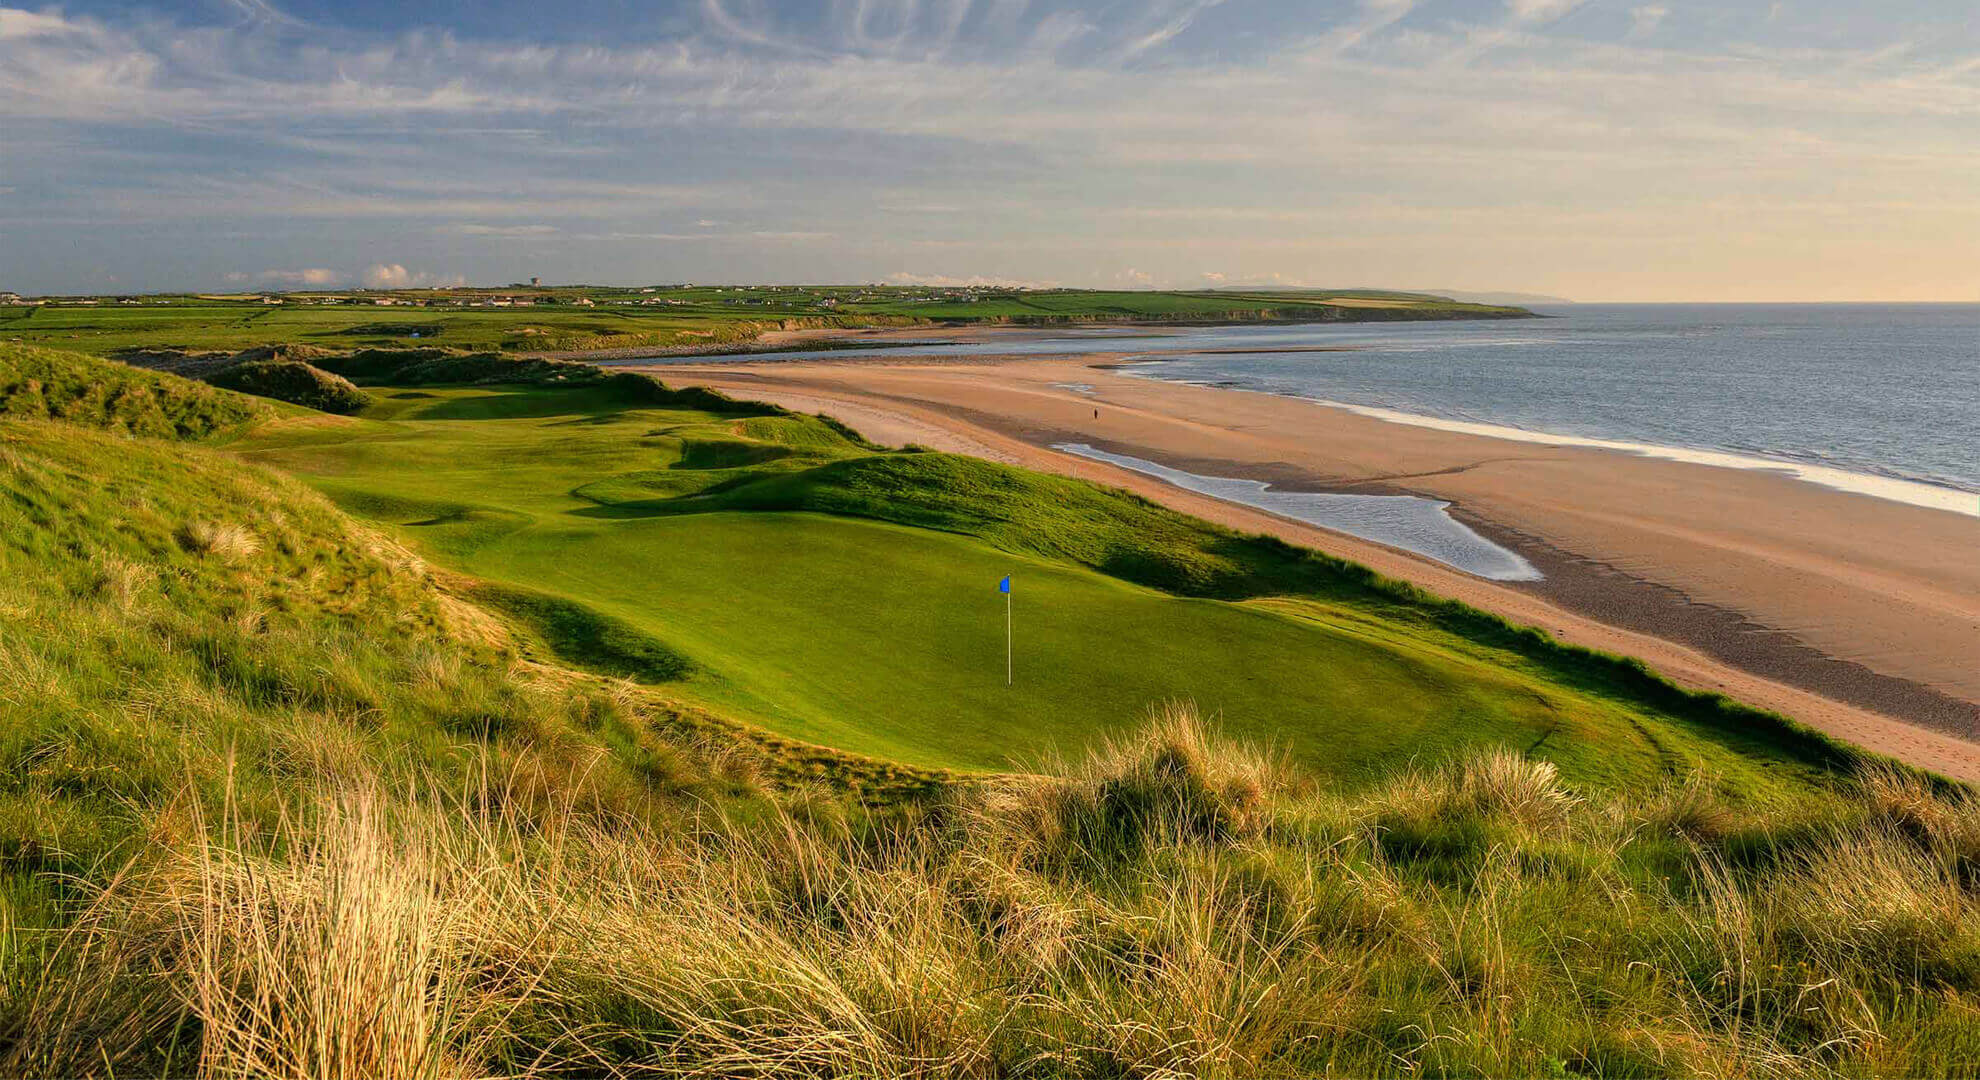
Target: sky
[{"x": 1637, "y": 150}]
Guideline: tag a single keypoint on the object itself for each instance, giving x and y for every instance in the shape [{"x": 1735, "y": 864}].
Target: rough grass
[
  {"x": 44, "y": 384},
  {"x": 295, "y": 382},
  {"x": 1170, "y": 904},
  {"x": 170, "y": 616}
]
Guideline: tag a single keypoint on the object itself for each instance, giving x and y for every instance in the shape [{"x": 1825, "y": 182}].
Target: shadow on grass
[{"x": 585, "y": 638}]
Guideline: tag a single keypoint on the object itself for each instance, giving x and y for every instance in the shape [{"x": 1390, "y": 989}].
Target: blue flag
[{"x": 1004, "y": 586}]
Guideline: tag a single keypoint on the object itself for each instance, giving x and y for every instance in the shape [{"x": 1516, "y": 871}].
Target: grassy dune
[
  {"x": 47, "y": 384},
  {"x": 282, "y": 798},
  {"x": 295, "y": 382}
]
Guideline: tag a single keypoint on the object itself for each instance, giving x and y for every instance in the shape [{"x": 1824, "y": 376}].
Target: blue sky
[{"x": 1634, "y": 150}]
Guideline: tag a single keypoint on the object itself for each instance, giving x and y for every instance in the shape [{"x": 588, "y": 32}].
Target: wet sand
[{"x": 1855, "y": 615}]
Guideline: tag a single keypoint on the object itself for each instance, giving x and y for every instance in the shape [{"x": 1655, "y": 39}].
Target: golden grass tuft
[{"x": 227, "y": 542}]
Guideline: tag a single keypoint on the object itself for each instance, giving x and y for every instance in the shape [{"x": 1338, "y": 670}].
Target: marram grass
[{"x": 1170, "y": 904}]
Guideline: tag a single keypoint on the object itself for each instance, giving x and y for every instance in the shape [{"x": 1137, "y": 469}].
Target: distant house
[{"x": 584, "y": 301}]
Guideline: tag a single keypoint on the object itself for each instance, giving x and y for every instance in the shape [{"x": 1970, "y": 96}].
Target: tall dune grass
[{"x": 1169, "y": 905}]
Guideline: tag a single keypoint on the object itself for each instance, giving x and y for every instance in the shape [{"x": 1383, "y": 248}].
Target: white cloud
[
  {"x": 395, "y": 276},
  {"x": 1536, "y": 11},
  {"x": 314, "y": 277},
  {"x": 1170, "y": 23},
  {"x": 1136, "y": 279},
  {"x": 976, "y": 281},
  {"x": 473, "y": 229},
  {"x": 1213, "y": 277},
  {"x": 1645, "y": 19},
  {"x": 387, "y": 276},
  {"x": 15, "y": 23}
]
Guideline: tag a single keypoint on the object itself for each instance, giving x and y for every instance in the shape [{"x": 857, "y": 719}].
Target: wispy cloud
[
  {"x": 1540, "y": 10},
  {"x": 478, "y": 229},
  {"x": 1076, "y": 138}
]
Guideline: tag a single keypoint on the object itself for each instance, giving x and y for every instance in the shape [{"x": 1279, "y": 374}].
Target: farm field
[{"x": 576, "y": 319}]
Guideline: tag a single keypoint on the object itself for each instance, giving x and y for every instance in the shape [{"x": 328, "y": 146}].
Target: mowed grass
[
  {"x": 890, "y": 641},
  {"x": 700, "y": 532}
]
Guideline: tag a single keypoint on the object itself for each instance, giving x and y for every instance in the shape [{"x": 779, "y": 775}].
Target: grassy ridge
[
  {"x": 295, "y": 382},
  {"x": 45, "y": 384}
]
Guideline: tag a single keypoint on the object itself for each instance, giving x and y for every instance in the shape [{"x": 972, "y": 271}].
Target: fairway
[{"x": 692, "y": 540}]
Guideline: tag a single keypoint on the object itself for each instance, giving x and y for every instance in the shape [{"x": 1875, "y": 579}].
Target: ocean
[{"x": 1883, "y": 399}]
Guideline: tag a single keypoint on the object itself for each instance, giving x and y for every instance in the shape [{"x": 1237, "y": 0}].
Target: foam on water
[
  {"x": 1931, "y": 496},
  {"x": 1402, "y": 521}
]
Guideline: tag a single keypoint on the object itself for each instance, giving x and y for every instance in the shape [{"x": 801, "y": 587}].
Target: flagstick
[{"x": 1008, "y": 668}]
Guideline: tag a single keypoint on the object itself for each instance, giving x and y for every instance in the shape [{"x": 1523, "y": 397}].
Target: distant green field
[
  {"x": 560, "y": 320},
  {"x": 699, "y": 539}
]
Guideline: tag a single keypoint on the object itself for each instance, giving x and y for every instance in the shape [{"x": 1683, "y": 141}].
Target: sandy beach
[{"x": 1853, "y": 614}]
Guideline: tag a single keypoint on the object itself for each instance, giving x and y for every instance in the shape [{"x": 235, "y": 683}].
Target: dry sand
[{"x": 1852, "y": 614}]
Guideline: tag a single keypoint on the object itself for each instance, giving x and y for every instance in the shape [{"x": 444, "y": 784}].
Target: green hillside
[{"x": 474, "y": 789}]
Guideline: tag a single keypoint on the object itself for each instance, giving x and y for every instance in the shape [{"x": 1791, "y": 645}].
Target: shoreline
[
  {"x": 1896, "y": 489},
  {"x": 1823, "y": 606}
]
